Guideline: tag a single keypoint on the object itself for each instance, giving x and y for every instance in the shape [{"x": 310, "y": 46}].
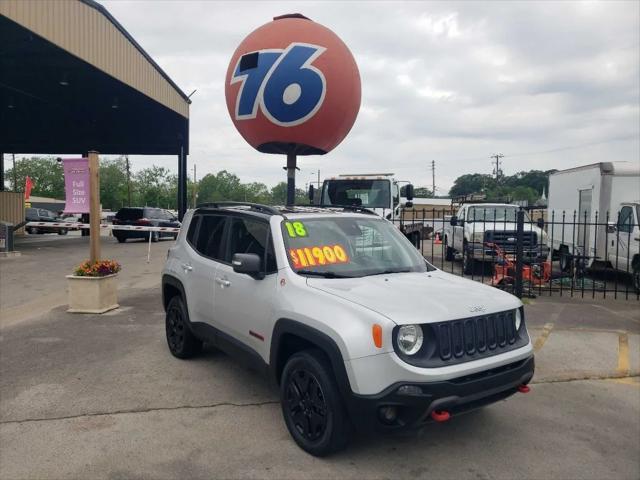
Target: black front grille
[
  {"x": 459, "y": 341},
  {"x": 507, "y": 239}
]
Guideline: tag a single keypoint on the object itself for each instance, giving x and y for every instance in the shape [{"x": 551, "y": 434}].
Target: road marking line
[
  {"x": 623, "y": 354},
  {"x": 627, "y": 381},
  {"x": 546, "y": 331}
]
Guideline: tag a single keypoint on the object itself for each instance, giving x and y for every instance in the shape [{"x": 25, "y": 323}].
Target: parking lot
[{"x": 100, "y": 396}]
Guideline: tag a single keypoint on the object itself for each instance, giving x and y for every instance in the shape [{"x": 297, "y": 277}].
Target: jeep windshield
[
  {"x": 495, "y": 213},
  {"x": 346, "y": 247},
  {"x": 365, "y": 193}
]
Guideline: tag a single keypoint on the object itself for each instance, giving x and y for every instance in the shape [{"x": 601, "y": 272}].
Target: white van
[{"x": 593, "y": 212}]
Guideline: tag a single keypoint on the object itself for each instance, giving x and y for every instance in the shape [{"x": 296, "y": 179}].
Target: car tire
[
  {"x": 155, "y": 237},
  {"x": 62, "y": 231},
  {"x": 180, "y": 340},
  {"x": 32, "y": 230},
  {"x": 636, "y": 277},
  {"x": 565, "y": 260},
  {"x": 467, "y": 261},
  {"x": 120, "y": 238},
  {"x": 311, "y": 404},
  {"x": 449, "y": 252}
]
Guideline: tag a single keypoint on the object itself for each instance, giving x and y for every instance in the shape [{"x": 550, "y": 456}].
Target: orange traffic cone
[{"x": 438, "y": 239}]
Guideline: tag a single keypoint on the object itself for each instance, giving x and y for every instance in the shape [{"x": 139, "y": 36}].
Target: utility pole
[
  {"x": 195, "y": 187},
  {"x": 433, "y": 178},
  {"x": 126, "y": 158},
  {"x": 497, "y": 171},
  {"x": 15, "y": 178}
]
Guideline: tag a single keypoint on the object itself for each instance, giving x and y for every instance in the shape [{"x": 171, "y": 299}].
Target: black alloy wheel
[
  {"x": 307, "y": 405},
  {"x": 312, "y": 405},
  {"x": 182, "y": 343}
]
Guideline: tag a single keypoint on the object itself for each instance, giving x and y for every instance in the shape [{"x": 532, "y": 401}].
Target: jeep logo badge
[{"x": 476, "y": 309}]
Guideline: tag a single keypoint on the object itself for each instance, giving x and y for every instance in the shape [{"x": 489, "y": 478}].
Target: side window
[
  {"x": 625, "y": 220},
  {"x": 252, "y": 236},
  {"x": 461, "y": 213},
  {"x": 191, "y": 233},
  {"x": 210, "y": 236}
]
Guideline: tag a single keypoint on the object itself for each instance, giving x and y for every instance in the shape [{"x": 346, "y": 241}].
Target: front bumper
[
  {"x": 529, "y": 255},
  {"x": 456, "y": 395}
]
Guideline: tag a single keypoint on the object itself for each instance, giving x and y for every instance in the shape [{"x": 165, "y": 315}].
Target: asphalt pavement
[{"x": 100, "y": 396}]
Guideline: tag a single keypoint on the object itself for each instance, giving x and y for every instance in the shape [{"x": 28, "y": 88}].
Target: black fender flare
[
  {"x": 325, "y": 343},
  {"x": 174, "y": 282}
]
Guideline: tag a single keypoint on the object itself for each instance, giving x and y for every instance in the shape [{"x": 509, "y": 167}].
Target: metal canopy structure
[{"x": 73, "y": 80}]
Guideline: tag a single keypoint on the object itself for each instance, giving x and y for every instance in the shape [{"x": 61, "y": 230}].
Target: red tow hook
[
  {"x": 440, "y": 415},
  {"x": 524, "y": 389}
]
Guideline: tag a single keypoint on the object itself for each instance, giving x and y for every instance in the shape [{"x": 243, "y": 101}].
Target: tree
[
  {"x": 472, "y": 183},
  {"x": 113, "y": 183},
  {"x": 46, "y": 173},
  {"x": 279, "y": 195},
  {"x": 219, "y": 187},
  {"x": 153, "y": 187}
]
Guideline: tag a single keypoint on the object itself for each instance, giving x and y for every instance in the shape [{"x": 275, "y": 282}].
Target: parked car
[
  {"x": 144, "y": 217},
  {"x": 350, "y": 321},
  {"x": 43, "y": 215}
]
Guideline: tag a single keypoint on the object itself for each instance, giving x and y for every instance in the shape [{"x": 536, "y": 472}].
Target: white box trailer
[{"x": 593, "y": 212}]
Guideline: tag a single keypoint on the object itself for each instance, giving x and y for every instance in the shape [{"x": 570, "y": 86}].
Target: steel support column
[
  {"x": 182, "y": 184},
  {"x": 2, "y": 173}
]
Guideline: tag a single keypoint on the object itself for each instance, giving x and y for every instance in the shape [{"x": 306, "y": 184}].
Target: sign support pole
[
  {"x": 291, "y": 178},
  {"x": 94, "y": 207}
]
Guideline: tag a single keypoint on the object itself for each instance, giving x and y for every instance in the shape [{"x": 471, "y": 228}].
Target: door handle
[
  {"x": 223, "y": 282},
  {"x": 186, "y": 267}
]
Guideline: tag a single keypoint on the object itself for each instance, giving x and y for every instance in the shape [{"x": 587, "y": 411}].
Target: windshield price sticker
[
  {"x": 296, "y": 229},
  {"x": 321, "y": 255}
]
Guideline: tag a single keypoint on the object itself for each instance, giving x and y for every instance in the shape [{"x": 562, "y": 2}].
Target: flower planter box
[{"x": 92, "y": 294}]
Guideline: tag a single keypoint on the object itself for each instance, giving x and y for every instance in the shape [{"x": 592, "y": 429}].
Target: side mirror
[
  {"x": 312, "y": 193},
  {"x": 408, "y": 204},
  {"x": 611, "y": 228},
  {"x": 408, "y": 192},
  {"x": 540, "y": 223},
  {"x": 453, "y": 221},
  {"x": 249, "y": 264}
]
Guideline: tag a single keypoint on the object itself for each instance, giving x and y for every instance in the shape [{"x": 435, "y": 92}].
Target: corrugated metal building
[{"x": 72, "y": 79}]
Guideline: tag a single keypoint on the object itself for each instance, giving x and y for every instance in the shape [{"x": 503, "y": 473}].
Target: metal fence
[{"x": 534, "y": 252}]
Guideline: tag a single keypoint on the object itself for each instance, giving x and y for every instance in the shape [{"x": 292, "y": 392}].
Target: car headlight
[
  {"x": 410, "y": 339},
  {"x": 518, "y": 320}
]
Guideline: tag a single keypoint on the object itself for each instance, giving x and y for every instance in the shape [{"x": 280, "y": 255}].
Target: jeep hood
[{"x": 427, "y": 297}]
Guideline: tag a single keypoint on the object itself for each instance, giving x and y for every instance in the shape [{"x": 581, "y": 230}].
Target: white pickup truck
[{"x": 477, "y": 224}]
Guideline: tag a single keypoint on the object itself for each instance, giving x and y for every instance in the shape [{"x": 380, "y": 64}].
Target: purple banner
[{"x": 76, "y": 185}]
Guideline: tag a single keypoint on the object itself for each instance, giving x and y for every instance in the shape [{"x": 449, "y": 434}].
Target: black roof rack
[
  {"x": 281, "y": 210},
  {"x": 252, "y": 206}
]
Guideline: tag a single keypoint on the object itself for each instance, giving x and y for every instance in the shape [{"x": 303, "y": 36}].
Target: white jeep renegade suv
[{"x": 345, "y": 315}]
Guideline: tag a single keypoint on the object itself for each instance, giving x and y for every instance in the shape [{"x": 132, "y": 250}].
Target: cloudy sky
[{"x": 548, "y": 84}]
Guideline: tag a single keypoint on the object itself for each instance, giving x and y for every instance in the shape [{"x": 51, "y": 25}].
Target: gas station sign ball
[{"x": 293, "y": 87}]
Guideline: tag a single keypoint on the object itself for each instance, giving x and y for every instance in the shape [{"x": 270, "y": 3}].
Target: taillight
[{"x": 143, "y": 221}]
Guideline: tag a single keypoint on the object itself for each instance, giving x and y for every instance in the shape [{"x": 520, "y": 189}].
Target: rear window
[
  {"x": 154, "y": 213},
  {"x": 129, "y": 214}
]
